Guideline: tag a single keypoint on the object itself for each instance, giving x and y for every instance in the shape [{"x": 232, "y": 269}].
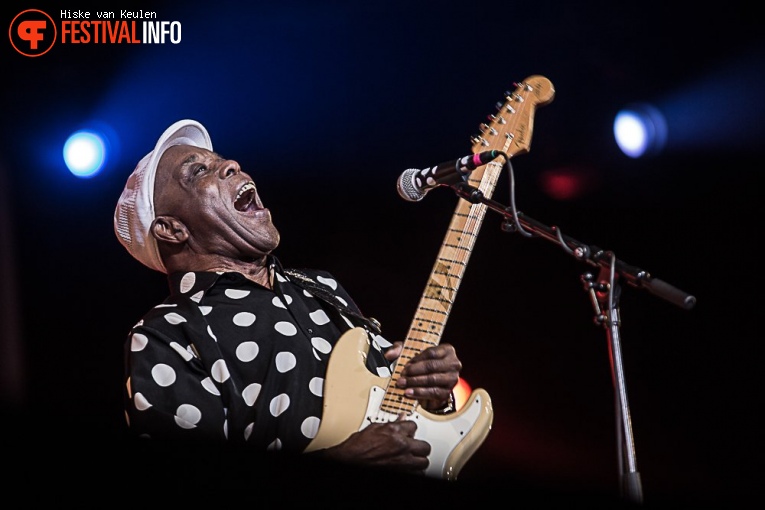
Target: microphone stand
[{"x": 604, "y": 292}]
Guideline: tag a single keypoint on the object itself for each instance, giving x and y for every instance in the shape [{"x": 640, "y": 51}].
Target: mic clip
[{"x": 468, "y": 192}]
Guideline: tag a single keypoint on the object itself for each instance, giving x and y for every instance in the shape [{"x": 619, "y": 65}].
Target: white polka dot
[
  {"x": 383, "y": 371},
  {"x": 319, "y": 317},
  {"x": 138, "y": 341},
  {"x": 187, "y": 416},
  {"x": 321, "y": 345},
  {"x": 250, "y": 393},
  {"x": 328, "y": 281},
  {"x": 187, "y": 282},
  {"x": 248, "y": 431},
  {"x": 185, "y": 354},
  {"x": 237, "y": 294},
  {"x": 174, "y": 318},
  {"x": 310, "y": 427},
  {"x": 279, "y": 404},
  {"x": 205, "y": 309},
  {"x": 280, "y": 278},
  {"x": 212, "y": 335},
  {"x": 209, "y": 385},
  {"x": 164, "y": 375},
  {"x": 198, "y": 296},
  {"x": 285, "y": 328},
  {"x": 382, "y": 341},
  {"x": 316, "y": 386},
  {"x": 307, "y": 294},
  {"x": 220, "y": 371},
  {"x": 278, "y": 301},
  {"x": 347, "y": 321},
  {"x": 247, "y": 351},
  {"x": 285, "y": 361},
  {"x": 343, "y": 301},
  {"x": 244, "y": 319},
  {"x": 276, "y": 445},
  {"x": 315, "y": 354},
  {"x": 140, "y": 402},
  {"x": 165, "y": 305}
]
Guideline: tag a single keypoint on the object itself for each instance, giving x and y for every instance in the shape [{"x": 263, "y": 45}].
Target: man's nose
[{"x": 229, "y": 168}]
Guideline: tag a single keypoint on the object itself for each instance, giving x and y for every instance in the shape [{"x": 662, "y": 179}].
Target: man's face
[{"x": 217, "y": 202}]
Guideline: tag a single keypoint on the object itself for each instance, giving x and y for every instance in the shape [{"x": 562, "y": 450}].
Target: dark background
[{"x": 325, "y": 105}]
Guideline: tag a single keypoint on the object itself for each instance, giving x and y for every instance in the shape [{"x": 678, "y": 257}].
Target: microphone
[{"x": 413, "y": 184}]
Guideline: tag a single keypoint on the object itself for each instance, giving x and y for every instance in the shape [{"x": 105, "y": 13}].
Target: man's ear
[{"x": 169, "y": 229}]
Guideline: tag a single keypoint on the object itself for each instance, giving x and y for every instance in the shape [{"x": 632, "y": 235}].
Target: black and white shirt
[{"x": 226, "y": 359}]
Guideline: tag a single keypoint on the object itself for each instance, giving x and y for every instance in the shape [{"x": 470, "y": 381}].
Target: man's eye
[{"x": 199, "y": 169}]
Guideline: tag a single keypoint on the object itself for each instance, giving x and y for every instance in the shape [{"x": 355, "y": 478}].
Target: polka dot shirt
[{"x": 226, "y": 359}]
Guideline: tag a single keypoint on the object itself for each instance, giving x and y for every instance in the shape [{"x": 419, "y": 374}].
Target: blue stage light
[
  {"x": 85, "y": 153},
  {"x": 640, "y": 130}
]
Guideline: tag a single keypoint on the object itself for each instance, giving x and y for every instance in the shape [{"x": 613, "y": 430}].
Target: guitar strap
[{"x": 325, "y": 293}]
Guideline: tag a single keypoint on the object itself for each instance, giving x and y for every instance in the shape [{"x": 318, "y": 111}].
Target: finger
[
  {"x": 420, "y": 448},
  {"x": 437, "y": 352},
  {"x": 428, "y": 393},
  {"x": 428, "y": 378},
  {"x": 433, "y": 361},
  {"x": 406, "y": 426},
  {"x": 394, "y": 351}
]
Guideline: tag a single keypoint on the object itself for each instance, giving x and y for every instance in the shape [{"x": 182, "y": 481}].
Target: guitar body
[{"x": 352, "y": 398}]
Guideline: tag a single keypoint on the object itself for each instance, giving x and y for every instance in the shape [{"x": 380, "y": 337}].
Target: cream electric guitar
[{"x": 354, "y": 397}]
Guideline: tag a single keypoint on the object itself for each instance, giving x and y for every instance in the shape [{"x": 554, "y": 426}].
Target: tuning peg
[
  {"x": 512, "y": 96},
  {"x": 498, "y": 120},
  {"x": 479, "y": 139},
  {"x": 485, "y": 127}
]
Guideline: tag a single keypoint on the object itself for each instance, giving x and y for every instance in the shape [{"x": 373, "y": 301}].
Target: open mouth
[{"x": 247, "y": 199}]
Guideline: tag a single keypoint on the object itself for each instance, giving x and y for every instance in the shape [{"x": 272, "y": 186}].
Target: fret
[
  {"x": 431, "y": 310},
  {"x": 460, "y": 262}
]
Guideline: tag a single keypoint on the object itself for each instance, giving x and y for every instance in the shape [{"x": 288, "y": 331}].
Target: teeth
[
  {"x": 250, "y": 186},
  {"x": 245, "y": 197}
]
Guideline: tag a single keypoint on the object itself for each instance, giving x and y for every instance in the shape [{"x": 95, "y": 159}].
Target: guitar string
[{"x": 475, "y": 216}]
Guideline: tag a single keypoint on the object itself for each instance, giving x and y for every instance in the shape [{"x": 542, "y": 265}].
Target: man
[{"x": 238, "y": 351}]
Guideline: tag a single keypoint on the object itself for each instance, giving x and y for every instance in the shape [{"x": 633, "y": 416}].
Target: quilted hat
[{"x": 135, "y": 208}]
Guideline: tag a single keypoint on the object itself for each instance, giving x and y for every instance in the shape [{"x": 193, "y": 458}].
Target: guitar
[{"x": 353, "y": 396}]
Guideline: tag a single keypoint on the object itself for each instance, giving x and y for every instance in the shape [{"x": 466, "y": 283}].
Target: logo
[{"x": 32, "y": 33}]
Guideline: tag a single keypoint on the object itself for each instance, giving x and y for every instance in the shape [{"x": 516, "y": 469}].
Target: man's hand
[
  {"x": 430, "y": 376},
  {"x": 383, "y": 445}
]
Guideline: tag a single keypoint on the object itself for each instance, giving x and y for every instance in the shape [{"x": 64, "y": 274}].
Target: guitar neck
[
  {"x": 509, "y": 132},
  {"x": 445, "y": 277}
]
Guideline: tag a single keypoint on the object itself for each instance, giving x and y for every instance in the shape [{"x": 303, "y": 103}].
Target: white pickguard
[{"x": 443, "y": 432}]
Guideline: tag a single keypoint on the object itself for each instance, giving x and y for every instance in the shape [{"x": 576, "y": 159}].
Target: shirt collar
[{"x": 190, "y": 283}]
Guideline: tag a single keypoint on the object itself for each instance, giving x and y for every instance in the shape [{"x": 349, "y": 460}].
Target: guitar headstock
[{"x": 510, "y": 129}]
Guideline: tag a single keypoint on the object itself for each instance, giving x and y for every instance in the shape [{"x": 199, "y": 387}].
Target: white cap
[{"x": 135, "y": 208}]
